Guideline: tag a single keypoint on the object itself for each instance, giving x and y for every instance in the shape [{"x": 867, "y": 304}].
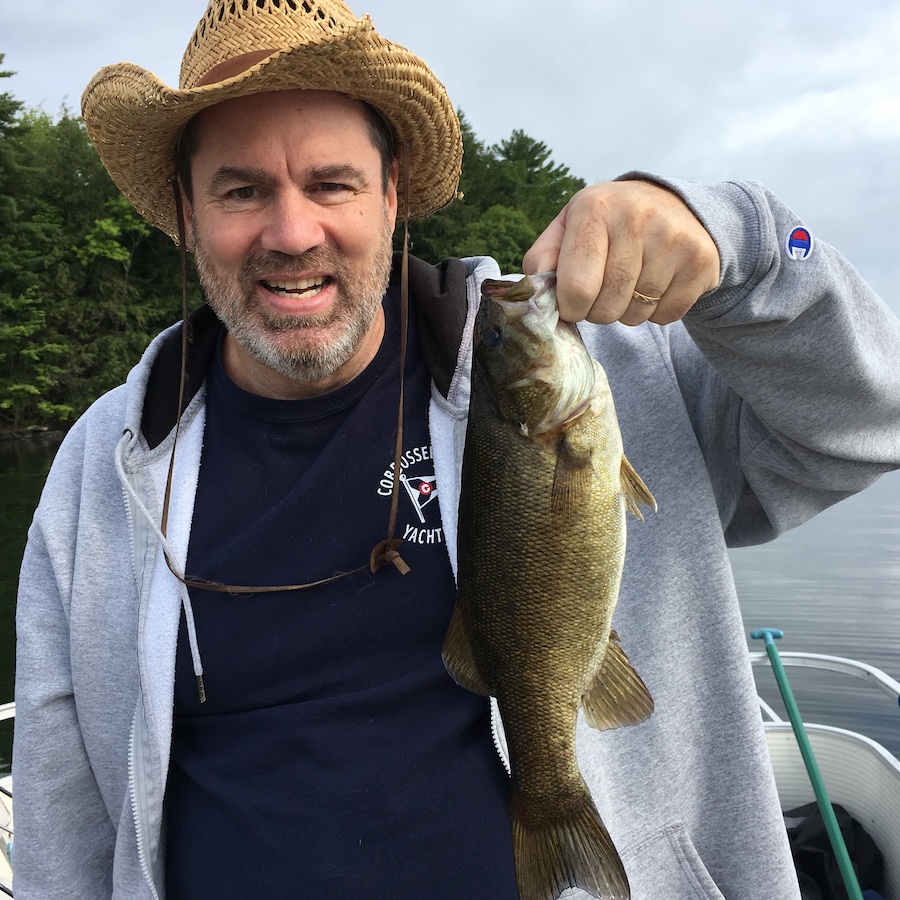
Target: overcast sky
[{"x": 804, "y": 97}]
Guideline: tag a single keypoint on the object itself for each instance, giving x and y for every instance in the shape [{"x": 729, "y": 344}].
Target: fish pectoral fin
[
  {"x": 617, "y": 696},
  {"x": 571, "y": 477},
  {"x": 635, "y": 491},
  {"x": 458, "y": 658}
]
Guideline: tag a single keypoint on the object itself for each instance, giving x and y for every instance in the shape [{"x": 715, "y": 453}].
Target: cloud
[
  {"x": 804, "y": 98},
  {"x": 846, "y": 91}
]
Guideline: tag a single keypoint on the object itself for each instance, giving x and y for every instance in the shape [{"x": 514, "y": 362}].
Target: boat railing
[
  {"x": 7, "y": 711},
  {"x": 873, "y": 675}
]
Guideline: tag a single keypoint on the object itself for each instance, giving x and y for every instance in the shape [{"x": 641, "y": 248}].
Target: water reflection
[{"x": 833, "y": 586}]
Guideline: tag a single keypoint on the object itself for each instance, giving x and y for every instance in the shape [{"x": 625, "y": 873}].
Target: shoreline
[{"x": 35, "y": 434}]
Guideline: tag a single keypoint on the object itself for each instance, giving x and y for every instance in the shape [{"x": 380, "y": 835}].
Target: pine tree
[
  {"x": 27, "y": 368},
  {"x": 509, "y": 193}
]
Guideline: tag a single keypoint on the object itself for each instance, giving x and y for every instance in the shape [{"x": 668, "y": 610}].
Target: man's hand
[{"x": 611, "y": 240}]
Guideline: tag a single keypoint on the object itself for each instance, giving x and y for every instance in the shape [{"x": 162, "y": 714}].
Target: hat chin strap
[{"x": 385, "y": 551}]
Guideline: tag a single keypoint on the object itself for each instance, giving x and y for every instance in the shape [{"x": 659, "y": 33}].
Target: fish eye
[{"x": 491, "y": 337}]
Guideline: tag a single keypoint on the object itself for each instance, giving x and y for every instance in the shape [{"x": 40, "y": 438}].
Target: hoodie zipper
[
  {"x": 498, "y": 736},
  {"x": 136, "y": 770},
  {"x": 137, "y": 781},
  {"x": 129, "y": 514}
]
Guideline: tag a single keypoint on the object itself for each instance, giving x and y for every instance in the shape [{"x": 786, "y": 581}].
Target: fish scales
[{"x": 545, "y": 486}]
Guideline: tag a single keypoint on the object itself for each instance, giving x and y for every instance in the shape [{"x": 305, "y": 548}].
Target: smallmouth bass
[{"x": 545, "y": 488}]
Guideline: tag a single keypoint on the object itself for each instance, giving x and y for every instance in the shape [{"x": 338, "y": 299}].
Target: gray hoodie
[{"x": 777, "y": 395}]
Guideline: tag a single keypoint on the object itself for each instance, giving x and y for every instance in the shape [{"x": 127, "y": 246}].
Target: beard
[{"x": 303, "y": 348}]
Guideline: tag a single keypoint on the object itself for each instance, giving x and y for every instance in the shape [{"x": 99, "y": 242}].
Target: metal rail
[{"x": 868, "y": 673}]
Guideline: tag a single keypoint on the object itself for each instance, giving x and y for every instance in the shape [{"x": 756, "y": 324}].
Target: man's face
[{"x": 291, "y": 232}]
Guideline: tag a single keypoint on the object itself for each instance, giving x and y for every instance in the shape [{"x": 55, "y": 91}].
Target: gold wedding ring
[{"x": 637, "y": 295}]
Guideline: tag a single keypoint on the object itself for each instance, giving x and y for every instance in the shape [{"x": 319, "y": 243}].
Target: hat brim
[{"x": 135, "y": 120}]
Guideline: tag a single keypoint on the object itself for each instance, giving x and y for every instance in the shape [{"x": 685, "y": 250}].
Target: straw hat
[{"x": 246, "y": 47}]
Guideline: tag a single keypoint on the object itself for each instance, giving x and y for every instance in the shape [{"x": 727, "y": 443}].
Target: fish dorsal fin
[
  {"x": 617, "y": 695},
  {"x": 571, "y": 477},
  {"x": 635, "y": 491},
  {"x": 458, "y": 658}
]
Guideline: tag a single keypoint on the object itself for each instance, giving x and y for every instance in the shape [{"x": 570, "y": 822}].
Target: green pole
[{"x": 769, "y": 635}]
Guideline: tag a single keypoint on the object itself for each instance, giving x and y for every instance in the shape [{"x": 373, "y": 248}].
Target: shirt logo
[
  {"x": 419, "y": 485},
  {"x": 421, "y": 490},
  {"x": 799, "y": 244}
]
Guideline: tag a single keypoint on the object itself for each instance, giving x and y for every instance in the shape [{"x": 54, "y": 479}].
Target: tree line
[{"x": 86, "y": 283}]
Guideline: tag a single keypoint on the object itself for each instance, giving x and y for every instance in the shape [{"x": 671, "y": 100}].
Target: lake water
[{"x": 832, "y": 585}]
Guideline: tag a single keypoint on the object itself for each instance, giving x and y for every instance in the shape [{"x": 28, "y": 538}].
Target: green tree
[
  {"x": 115, "y": 237},
  {"x": 438, "y": 236},
  {"x": 85, "y": 283},
  {"x": 27, "y": 367},
  {"x": 61, "y": 192},
  {"x": 530, "y": 180},
  {"x": 505, "y": 230},
  {"x": 509, "y": 194}
]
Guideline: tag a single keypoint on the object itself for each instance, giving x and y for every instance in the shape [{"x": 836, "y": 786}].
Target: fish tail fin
[
  {"x": 635, "y": 491},
  {"x": 552, "y": 854}
]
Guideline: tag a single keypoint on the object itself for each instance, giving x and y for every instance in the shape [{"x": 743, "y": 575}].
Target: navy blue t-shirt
[{"x": 334, "y": 757}]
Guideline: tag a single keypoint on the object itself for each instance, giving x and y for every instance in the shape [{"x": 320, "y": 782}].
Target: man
[{"x": 183, "y": 731}]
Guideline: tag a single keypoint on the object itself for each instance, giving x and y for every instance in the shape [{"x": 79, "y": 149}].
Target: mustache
[{"x": 264, "y": 262}]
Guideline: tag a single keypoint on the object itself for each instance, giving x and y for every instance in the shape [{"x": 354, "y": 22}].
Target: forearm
[{"x": 799, "y": 378}]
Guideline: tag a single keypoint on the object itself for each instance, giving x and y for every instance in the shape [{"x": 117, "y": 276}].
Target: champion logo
[{"x": 799, "y": 244}]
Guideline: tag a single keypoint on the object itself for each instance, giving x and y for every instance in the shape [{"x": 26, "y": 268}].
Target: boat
[{"x": 859, "y": 773}]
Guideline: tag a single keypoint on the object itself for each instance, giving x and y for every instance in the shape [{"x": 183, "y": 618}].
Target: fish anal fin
[
  {"x": 617, "y": 696},
  {"x": 571, "y": 477},
  {"x": 635, "y": 491},
  {"x": 576, "y": 851},
  {"x": 458, "y": 659}
]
